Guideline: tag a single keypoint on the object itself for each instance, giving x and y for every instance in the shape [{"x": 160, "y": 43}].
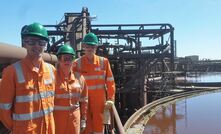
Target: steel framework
[{"x": 136, "y": 53}]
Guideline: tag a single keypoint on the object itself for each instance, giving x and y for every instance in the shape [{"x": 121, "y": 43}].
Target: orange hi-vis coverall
[
  {"x": 71, "y": 100},
  {"x": 27, "y": 98},
  {"x": 101, "y": 86}
]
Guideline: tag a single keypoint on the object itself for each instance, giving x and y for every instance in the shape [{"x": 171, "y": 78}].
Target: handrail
[
  {"x": 142, "y": 115},
  {"x": 118, "y": 121}
]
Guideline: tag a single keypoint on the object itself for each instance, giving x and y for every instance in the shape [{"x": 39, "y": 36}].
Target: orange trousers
[
  {"x": 67, "y": 122},
  {"x": 96, "y": 101},
  {"x": 38, "y": 126}
]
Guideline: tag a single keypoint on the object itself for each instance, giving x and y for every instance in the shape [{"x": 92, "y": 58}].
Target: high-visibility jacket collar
[
  {"x": 30, "y": 65},
  {"x": 95, "y": 59},
  {"x": 71, "y": 77}
]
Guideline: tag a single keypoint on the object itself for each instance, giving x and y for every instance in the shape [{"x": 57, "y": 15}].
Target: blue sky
[{"x": 196, "y": 22}]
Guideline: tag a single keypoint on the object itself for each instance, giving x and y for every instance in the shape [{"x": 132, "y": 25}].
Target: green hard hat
[
  {"x": 90, "y": 39},
  {"x": 35, "y": 29},
  {"x": 66, "y": 49}
]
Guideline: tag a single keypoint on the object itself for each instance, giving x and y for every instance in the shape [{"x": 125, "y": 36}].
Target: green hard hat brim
[
  {"x": 66, "y": 53},
  {"x": 36, "y": 35},
  {"x": 73, "y": 55},
  {"x": 66, "y": 49},
  {"x": 90, "y": 43}
]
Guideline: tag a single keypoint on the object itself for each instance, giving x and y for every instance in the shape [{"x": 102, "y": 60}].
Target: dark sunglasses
[{"x": 33, "y": 42}]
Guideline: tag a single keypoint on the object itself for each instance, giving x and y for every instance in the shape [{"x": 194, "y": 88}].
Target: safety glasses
[
  {"x": 66, "y": 58},
  {"x": 33, "y": 42},
  {"x": 89, "y": 46}
]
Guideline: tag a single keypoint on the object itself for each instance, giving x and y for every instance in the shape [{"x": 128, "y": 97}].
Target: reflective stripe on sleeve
[
  {"x": 94, "y": 77},
  {"x": 33, "y": 115},
  {"x": 101, "y": 62},
  {"x": 110, "y": 78},
  {"x": 35, "y": 97},
  {"x": 5, "y": 106},
  {"x": 96, "y": 87},
  {"x": 84, "y": 99}
]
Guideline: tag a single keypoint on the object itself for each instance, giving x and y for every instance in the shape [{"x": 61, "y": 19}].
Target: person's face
[
  {"x": 89, "y": 49},
  {"x": 66, "y": 61},
  {"x": 35, "y": 46}
]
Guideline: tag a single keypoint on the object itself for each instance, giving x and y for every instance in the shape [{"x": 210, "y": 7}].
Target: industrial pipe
[{"x": 10, "y": 54}]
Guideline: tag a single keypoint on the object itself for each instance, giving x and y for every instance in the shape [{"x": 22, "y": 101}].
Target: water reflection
[
  {"x": 203, "y": 76},
  {"x": 197, "y": 115}
]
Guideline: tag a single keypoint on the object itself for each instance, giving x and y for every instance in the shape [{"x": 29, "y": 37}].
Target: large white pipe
[{"x": 10, "y": 54}]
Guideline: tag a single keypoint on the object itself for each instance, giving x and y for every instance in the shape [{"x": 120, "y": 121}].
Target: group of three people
[{"x": 37, "y": 98}]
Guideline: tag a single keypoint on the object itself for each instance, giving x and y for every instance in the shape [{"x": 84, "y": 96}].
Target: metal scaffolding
[{"x": 136, "y": 52}]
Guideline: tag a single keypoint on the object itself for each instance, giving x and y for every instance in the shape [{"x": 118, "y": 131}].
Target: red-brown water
[{"x": 197, "y": 115}]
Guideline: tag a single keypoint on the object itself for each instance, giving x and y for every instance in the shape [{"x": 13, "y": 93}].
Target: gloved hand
[
  {"x": 109, "y": 104},
  {"x": 83, "y": 125},
  {"x": 107, "y": 117}
]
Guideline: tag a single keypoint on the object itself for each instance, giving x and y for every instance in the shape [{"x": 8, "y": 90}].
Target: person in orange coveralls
[
  {"x": 100, "y": 82},
  {"x": 27, "y": 87},
  {"x": 71, "y": 95}
]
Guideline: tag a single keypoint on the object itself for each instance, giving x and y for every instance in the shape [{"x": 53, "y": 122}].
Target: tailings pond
[{"x": 195, "y": 115}]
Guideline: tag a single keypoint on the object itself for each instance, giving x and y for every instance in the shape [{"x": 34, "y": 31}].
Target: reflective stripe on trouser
[
  {"x": 43, "y": 125},
  {"x": 66, "y": 108},
  {"x": 67, "y": 122},
  {"x": 101, "y": 86}
]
